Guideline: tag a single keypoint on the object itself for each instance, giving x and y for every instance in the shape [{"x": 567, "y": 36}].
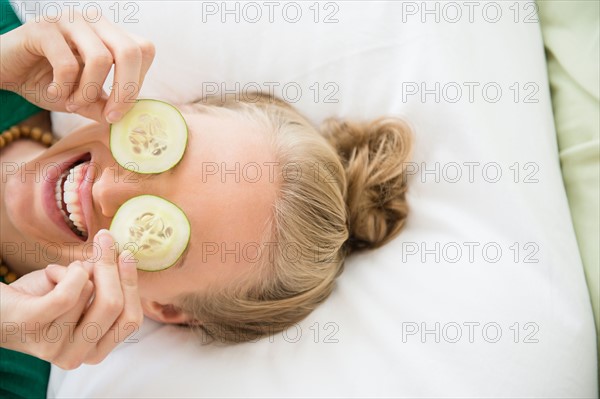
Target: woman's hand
[
  {"x": 76, "y": 314},
  {"x": 62, "y": 66}
]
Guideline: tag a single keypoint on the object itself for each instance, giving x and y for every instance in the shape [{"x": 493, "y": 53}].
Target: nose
[{"x": 115, "y": 186}]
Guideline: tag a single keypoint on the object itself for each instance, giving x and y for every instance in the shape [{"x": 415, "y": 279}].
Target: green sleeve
[
  {"x": 21, "y": 375},
  {"x": 13, "y": 108}
]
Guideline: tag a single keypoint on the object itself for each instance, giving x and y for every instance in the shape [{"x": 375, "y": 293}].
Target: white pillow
[{"x": 526, "y": 328}]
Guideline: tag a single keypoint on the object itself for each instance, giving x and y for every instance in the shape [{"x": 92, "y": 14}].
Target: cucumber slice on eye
[
  {"x": 151, "y": 137},
  {"x": 155, "y": 230}
]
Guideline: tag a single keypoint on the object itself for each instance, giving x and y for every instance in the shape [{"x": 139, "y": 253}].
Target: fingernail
[
  {"x": 105, "y": 238},
  {"x": 52, "y": 90},
  {"x": 72, "y": 108},
  {"x": 114, "y": 116}
]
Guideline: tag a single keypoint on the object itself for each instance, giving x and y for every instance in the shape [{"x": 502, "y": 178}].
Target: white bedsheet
[{"x": 521, "y": 329}]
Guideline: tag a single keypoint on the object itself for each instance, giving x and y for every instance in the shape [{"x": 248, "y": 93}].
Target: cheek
[
  {"x": 23, "y": 206},
  {"x": 157, "y": 286}
]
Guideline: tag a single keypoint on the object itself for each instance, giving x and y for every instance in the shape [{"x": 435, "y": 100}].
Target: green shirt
[
  {"x": 13, "y": 108},
  {"x": 21, "y": 375}
]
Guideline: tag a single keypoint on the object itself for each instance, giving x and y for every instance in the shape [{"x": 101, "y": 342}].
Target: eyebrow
[
  {"x": 187, "y": 147},
  {"x": 189, "y": 136},
  {"x": 181, "y": 261}
]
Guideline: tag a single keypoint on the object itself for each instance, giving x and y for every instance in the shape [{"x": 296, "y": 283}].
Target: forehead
[
  {"x": 223, "y": 138},
  {"x": 225, "y": 185}
]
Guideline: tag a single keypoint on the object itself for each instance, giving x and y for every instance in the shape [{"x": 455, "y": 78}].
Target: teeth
[
  {"x": 74, "y": 217},
  {"x": 69, "y": 183},
  {"x": 75, "y": 211},
  {"x": 71, "y": 197}
]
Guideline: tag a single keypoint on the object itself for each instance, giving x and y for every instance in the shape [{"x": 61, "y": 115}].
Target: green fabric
[
  {"x": 21, "y": 375},
  {"x": 571, "y": 36},
  {"x": 13, "y": 108}
]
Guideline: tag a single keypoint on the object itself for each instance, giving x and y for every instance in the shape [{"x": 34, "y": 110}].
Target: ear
[{"x": 165, "y": 313}]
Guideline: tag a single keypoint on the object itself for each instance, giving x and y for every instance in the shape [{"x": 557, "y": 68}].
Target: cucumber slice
[
  {"x": 151, "y": 137},
  {"x": 155, "y": 230}
]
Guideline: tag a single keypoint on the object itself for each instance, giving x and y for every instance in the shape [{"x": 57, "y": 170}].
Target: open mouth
[{"x": 68, "y": 201}]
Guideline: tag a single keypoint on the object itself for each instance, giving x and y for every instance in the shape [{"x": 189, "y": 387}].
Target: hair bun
[{"x": 374, "y": 156}]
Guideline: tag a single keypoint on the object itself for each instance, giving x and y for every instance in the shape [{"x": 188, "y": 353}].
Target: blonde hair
[{"x": 347, "y": 195}]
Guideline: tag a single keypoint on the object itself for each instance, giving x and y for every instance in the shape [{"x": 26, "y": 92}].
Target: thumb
[{"x": 66, "y": 293}]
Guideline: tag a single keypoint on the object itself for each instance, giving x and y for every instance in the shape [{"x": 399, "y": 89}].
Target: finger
[
  {"x": 107, "y": 304},
  {"x": 71, "y": 318},
  {"x": 67, "y": 325},
  {"x": 65, "y": 295},
  {"x": 56, "y": 273},
  {"x": 95, "y": 111},
  {"x": 128, "y": 65},
  {"x": 97, "y": 61},
  {"x": 148, "y": 54},
  {"x": 132, "y": 316},
  {"x": 49, "y": 42}
]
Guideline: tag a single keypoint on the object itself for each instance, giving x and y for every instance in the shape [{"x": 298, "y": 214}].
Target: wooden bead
[
  {"x": 3, "y": 270},
  {"x": 10, "y": 277},
  {"x": 7, "y": 136},
  {"x": 36, "y": 133},
  {"x": 16, "y": 132},
  {"x": 25, "y": 130},
  {"x": 47, "y": 138}
]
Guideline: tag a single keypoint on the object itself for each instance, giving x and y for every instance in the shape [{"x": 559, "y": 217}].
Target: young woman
[{"x": 275, "y": 204}]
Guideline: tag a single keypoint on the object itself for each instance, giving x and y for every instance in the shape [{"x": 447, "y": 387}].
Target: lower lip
[{"x": 49, "y": 198}]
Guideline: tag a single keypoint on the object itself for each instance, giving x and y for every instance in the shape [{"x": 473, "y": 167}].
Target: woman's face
[{"x": 224, "y": 184}]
